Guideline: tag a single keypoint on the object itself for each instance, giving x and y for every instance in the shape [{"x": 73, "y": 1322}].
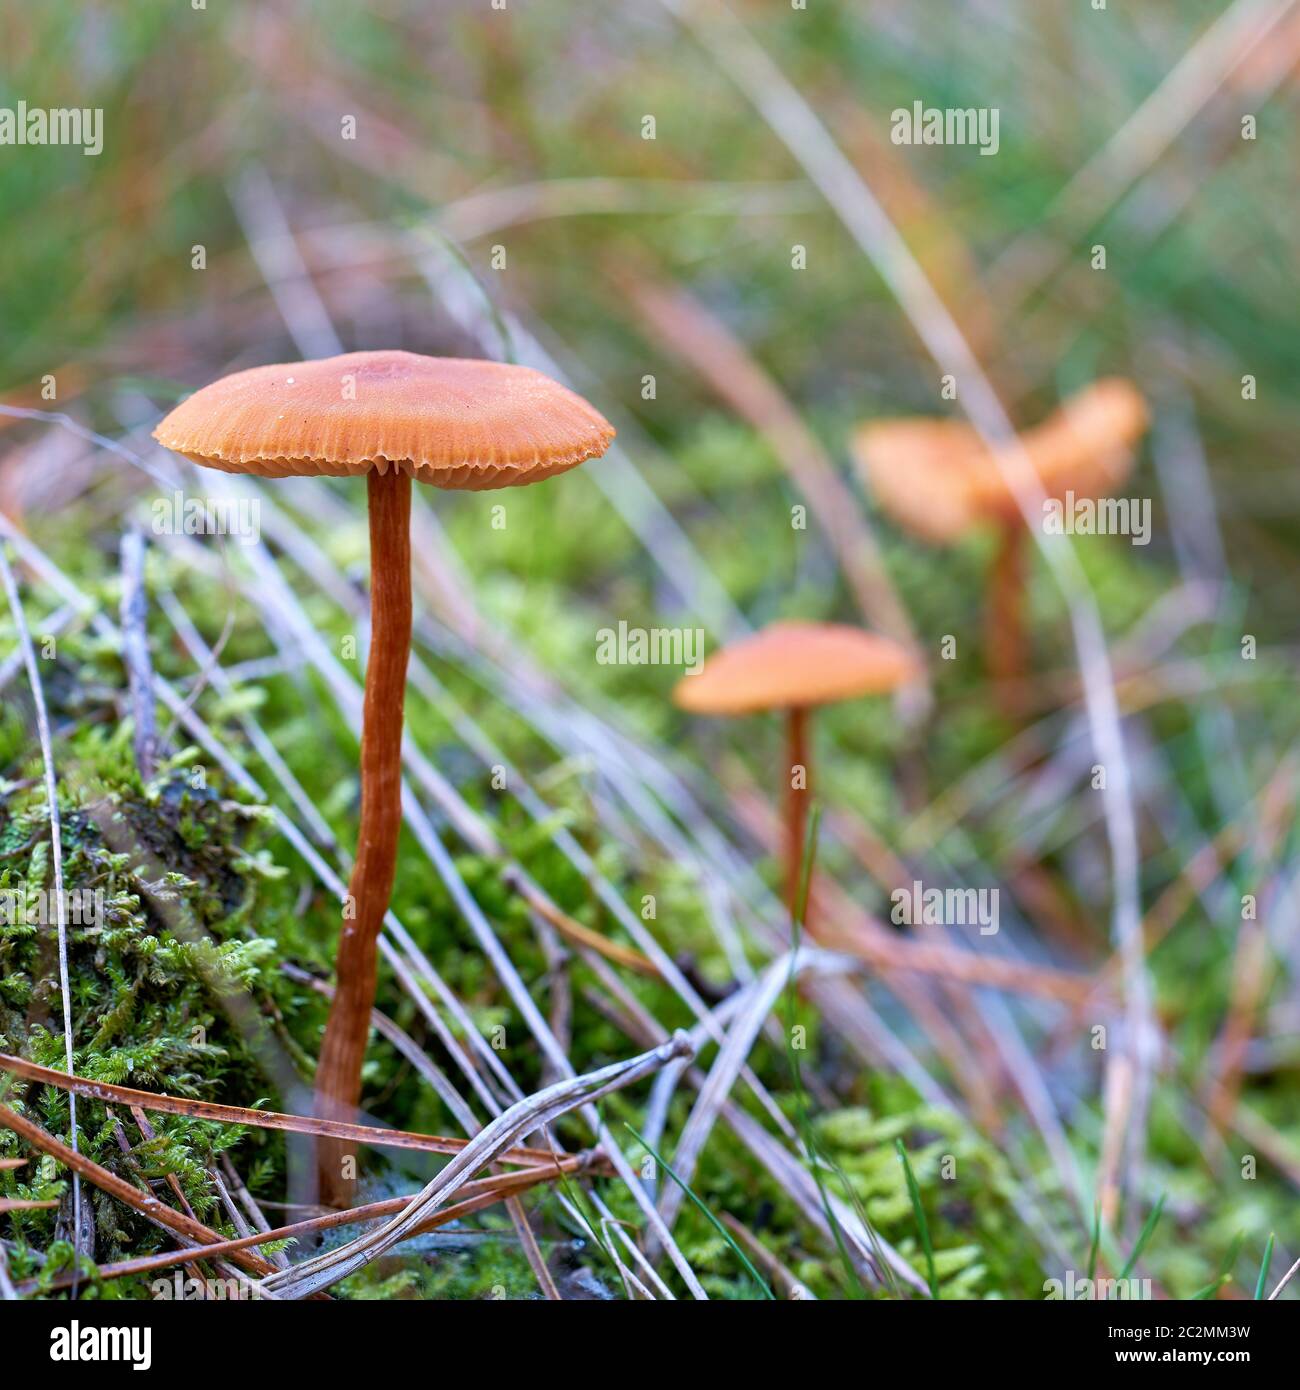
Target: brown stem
[
  {"x": 796, "y": 803},
  {"x": 1004, "y": 637},
  {"x": 338, "y": 1072}
]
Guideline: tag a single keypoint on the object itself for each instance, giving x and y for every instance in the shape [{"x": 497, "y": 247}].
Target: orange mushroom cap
[
  {"x": 792, "y": 665},
  {"x": 451, "y": 422},
  {"x": 937, "y": 479}
]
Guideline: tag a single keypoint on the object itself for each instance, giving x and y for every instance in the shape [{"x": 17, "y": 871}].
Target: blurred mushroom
[
  {"x": 792, "y": 667},
  {"x": 938, "y": 481},
  {"x": 393, "y": 416}
]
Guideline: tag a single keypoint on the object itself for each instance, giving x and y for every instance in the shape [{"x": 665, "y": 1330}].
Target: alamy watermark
[
  {"x": 945, "y": 907},
  {"x": 77, "y": 1343},
  {"x": 82, "y": 907},
  {"x": 60, "y": 125},
  {"x": 180, "y": 515},
  {"x": 1092, "y": 516},
  {"x": 181, "y": 1287},
  {"x": 1072, "y": 1289},
  {"x": 655, "y": 646},
  {"x": 948, "y": 125}
]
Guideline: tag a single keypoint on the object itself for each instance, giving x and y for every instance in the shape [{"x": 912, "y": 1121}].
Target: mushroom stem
[
  {"x": 338, "y": 1072},
  {"x": 796, "y": 803},
  {"x": 1004, "y": 637}
]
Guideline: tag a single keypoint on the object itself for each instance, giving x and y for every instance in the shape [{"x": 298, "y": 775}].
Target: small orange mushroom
[
  {"x": 792, "y": 667},
  {"x": 393, "y": 416},
  {"x": 937, "y": 480}
]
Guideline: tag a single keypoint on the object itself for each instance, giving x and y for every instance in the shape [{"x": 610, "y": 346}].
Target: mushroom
[
  {"x": 792, "y": 667},
  {"x": 393, "y": 416},
  {"x": 938, "y": 480}
]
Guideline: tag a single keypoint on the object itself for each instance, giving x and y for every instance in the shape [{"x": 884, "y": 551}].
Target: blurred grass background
[{"x": 455, "y": 104}]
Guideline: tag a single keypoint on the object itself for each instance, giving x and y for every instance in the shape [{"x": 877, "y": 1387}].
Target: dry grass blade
[
  {"x": 532, "y": 1113},
  {"x": 497, "y": 209},
  {"x": 573, "y": 930},
  {"x": 781, "y": 1276},
  {"x": 1251, "y": 966},
  {"x": 145, "y": 1203},
  {"x": 476, "y": 1196},
  {"x": 53, "y": 626},
  {"x": 148, "y": 1134},
  {"x": 753, "y": 1011},
  {"x": 1284, "y": 1281},
  {"x": 278, "y": 258},
  {"x": 246, "y": 1200},
  {"x": 257, "y": 1119},
  {"x": 532, "y": 1250},
  {"x": 56, "y": 839},
  {"x": 135, "y": 651}
]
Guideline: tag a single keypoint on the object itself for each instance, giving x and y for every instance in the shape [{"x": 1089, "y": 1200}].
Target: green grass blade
[
  {"x": 1145, "y": 1235},
  {"x": 806, "y": 868},
  {"x": 1224, "y": 1276},
  {"x": 803, "y": 1119},
  {"x": 914, "y": 1192},
  {"x": 1262, "y": 1282},
  {"x": 713, "y": 1220}
]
